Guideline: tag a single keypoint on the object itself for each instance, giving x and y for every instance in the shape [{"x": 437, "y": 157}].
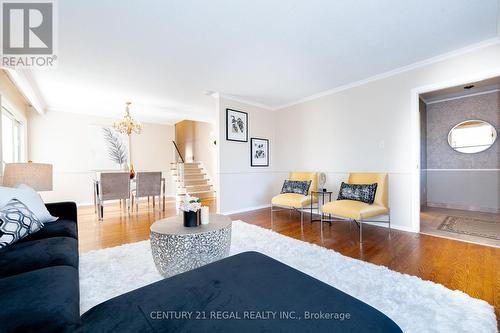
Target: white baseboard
[
  {"x": 393, "y": 226},
  {"x": 381, "y": 224},
  {"x": 247, "y": 209}
]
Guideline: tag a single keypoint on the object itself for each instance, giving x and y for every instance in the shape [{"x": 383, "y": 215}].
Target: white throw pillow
[
  {"x": 30, "y": 198},
  {"x": 16, "y": 222}
]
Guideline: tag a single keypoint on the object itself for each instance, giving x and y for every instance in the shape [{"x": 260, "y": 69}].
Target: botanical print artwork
[
  {"x": 259, "y": 152},
  {"x": 236, "y": 125},
  {"x": 117, "y": 151},
  {"x": 108, "y": 148}
]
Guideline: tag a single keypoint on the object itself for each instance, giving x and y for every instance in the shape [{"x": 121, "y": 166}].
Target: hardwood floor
[
  {"x": 118, "y": 227},
  {"x": 471, "y": 268}
]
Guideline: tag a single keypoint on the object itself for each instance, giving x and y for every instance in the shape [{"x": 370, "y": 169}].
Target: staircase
[{"x": 191, "y": 178}]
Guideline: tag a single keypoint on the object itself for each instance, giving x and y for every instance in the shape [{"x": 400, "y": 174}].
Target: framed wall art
[
  {"x": 236, "y": 125},
  {"x": 259, "y": 150}
]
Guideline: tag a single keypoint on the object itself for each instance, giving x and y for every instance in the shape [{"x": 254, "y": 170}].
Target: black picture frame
[
  {"x": 244, "y": 115},
  {"x": 253, "y": 156}
]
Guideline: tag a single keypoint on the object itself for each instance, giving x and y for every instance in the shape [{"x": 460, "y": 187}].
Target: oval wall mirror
[{"x": 472, "y": 136}]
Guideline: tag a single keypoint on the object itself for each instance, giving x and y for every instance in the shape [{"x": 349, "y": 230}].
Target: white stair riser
[
  {"x": 188, "y": 174},
  {"x": 209, "y": 194},
  {"x": 187, "y": 170},
  {"x": 193, "y": 180},
  {"x": 201, "y": 195},
  {"x": 194, "y": 177},
  {"x": 196, "y": 182},
  {"x": 194, "y": 166},
  {"x": 197, "y": 188},
  {"x": 187, "y": 165}
]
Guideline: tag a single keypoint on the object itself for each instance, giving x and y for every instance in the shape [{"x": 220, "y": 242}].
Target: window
[{"x": 13, "y": 138}]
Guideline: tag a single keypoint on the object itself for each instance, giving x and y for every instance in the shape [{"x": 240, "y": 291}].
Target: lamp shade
[{"x": 36, "y": 175}]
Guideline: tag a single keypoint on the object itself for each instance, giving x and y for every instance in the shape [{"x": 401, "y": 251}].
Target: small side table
[
  {"x": 177, "y": 249},
  {"x": 324, "y": 196}
]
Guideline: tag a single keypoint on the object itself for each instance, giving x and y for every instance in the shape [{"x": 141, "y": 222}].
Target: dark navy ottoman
[{"x": 248, "y": 292}]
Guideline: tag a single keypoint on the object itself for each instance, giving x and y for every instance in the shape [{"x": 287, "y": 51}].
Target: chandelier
[{"x": 128, "y": 125}]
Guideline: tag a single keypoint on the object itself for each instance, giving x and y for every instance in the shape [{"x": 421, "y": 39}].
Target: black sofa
[{"x": 39, "y": 286}]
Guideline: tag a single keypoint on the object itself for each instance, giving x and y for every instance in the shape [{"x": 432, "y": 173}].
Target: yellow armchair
[
  {"x": 291, "y": 200},
  {"x": 357, "y": 211},
  {"x": 294, "y": 201}
]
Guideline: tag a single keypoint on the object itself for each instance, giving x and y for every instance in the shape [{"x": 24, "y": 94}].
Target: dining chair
[
  {"x": 147, "y": 184},
  {"x": 112, "y": 186}
]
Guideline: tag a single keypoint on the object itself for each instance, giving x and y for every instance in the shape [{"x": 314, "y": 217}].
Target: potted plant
[{"x": 190, "y": 206}]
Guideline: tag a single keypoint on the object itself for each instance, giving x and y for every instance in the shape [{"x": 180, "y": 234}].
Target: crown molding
[
  {"x": 429, "y": 61},
  {"x": 24, "y": 82},
  {"x": 240, "y": 100}
]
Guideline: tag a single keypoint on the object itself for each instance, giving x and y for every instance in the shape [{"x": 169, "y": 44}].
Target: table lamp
[{"x": 36, "y": 175}]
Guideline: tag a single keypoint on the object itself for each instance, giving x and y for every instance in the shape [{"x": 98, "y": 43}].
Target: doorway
[{"x": 460, "y": 162}]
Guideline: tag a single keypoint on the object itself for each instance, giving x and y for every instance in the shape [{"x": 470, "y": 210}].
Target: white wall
[
  {"x": 62, "y": 139},
  {"x": 242, "y": 187},
  {"x": 369, "y": 128},
  {"x": 13, "y": 100}
]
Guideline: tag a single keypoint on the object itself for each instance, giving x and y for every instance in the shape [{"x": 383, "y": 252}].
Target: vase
[
  {"x": 191, "y": 219},
  {"x": 204, "y": 215},
  {"x": 132, "y": 171}
]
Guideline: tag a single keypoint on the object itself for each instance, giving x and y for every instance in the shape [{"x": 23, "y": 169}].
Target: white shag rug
[{"x": 414, "y": 304}]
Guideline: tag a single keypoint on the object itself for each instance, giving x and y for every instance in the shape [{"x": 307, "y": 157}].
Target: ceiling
[
  {"x": 162, "y": 55},
  {"x": 492, "y": 84}
]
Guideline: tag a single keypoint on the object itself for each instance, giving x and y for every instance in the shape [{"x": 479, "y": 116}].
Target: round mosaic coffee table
[{"x": 177, "y": 249}]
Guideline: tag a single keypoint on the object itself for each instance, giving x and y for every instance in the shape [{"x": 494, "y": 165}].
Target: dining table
[{"x": 132, "y": 187}]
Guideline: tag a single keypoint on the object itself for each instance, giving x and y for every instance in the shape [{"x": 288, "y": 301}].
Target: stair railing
[{"x": 178, "y": 151}]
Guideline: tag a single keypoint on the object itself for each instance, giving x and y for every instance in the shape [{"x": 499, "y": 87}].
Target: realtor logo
[{"x": 28, "y": 33}]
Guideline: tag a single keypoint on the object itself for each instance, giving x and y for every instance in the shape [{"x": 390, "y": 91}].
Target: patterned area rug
[{"x": 471, "y": 226}]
